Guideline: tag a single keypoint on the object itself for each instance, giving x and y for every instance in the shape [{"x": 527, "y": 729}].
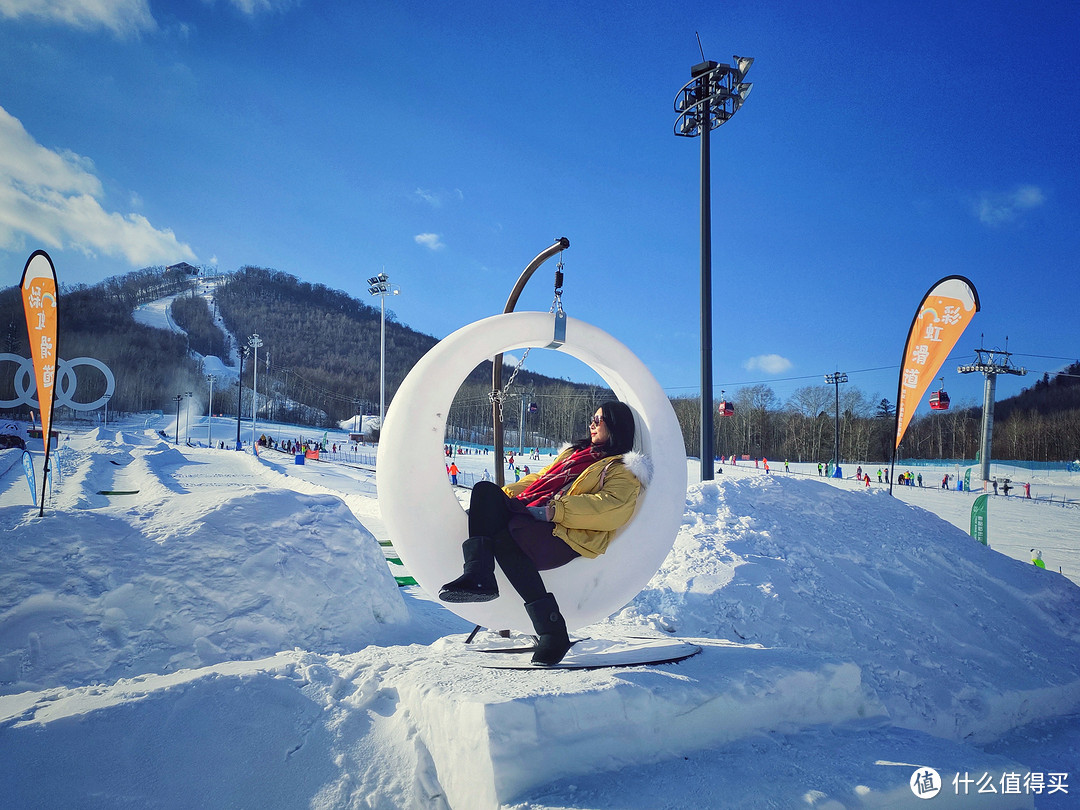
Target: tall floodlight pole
[
  {"x": 381, "y": 286},
  {"x": 210, "y": 411},
  {"x": 178, "y": 397},
  {"x": 187, "y": 418},
  {"x": 989, "y": 362},
  {"x": 240, "y": 395},
  {"x": 106, "y": 398},
  {"x": 254, "y": 342},
  {"x": 714, "y": 93},
  {"x": 835, "y": 380},
  {"x": 521, "y": 424}
]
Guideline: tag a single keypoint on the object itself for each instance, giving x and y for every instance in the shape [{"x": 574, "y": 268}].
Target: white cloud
[
  {"x": 52, "y": 199},
  {"x": 768, "y": 363},
  {"x": 430, "y": 197},
  {"x": 436, "y": 199},
  {"x": 1000, "y": 208},
  {"x": 122, "y": 17},
  {"x": 253, "y": 7},
  {"x": 432, "y": 241}
]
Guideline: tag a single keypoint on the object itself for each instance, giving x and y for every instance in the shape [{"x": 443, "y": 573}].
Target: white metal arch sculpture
[{"x": 426, "y": 522}]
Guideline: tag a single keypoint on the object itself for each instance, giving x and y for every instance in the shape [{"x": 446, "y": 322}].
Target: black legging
[{"x": 489, "y": 514}]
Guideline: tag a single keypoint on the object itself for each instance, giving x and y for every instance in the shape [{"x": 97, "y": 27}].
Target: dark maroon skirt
[{"x": 535, "y": 538}]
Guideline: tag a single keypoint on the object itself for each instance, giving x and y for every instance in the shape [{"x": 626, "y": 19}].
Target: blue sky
[{"x": 884, "y": 146}]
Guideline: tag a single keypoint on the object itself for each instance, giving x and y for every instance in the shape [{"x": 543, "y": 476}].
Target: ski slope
[{"x": 231, "y": 635}]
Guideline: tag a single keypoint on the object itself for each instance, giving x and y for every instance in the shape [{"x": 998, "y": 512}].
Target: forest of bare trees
[
  {"x": 1039, "y": 424},
  {"x": 319, "y": 365}
]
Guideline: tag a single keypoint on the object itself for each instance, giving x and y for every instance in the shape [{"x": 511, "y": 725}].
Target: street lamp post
[
  {"x": 714, "y": 93},
  {"x": 240, "y": 395},
  {"x": 381, "y": 286},
  {"x": 210, "y": 411},
  {"x": 835, "y": 380},
  {"x": 106, "y": 397},
  {"x": 254, "y": 342},
  {"x": 187, "y": 418},
  {"x": 178, "y": 398}
]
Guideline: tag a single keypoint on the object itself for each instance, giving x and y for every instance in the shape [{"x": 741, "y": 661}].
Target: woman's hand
[{"x": 541, "y": 513}]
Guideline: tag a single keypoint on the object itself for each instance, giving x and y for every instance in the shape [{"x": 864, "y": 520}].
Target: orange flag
[
  {"x": 942, "y": 317},
  {"x": 39, "y": 304}
]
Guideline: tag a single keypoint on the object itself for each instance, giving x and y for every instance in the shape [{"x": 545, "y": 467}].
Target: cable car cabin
[
  {"x": 725, "y": 408},
  {"x": 939, "y": 401}
]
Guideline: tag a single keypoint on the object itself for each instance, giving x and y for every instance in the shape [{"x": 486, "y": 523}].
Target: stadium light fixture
[
  {"x": 254, "y": 342},
  {"x": 835, "y": 380},
  {"x": 714, "y": 93},
  {"x": 210, "y": 411},
  {"x": 381, "y": 286}
]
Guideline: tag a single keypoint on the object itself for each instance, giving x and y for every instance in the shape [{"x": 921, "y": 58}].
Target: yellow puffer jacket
[{"x": 598, "y": 503}]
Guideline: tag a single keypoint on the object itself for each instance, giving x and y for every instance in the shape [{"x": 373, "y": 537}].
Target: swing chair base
[{"x": 594, "y": 653}]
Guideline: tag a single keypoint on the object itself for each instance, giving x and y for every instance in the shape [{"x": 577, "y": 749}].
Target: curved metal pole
[{"x": 561, "y": 244}]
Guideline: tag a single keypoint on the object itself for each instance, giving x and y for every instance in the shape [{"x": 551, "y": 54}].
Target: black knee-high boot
[
  {"x": 477, "y": 583},
  {"x": 553, "y": 640}
]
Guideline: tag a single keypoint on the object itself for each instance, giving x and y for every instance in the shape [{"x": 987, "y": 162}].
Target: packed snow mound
[
  {"x": 95, "y": 598},
  {"x": 9, "y": 457},
  {"x": 955, "y": 638},
  {"x": 212, "y": 364}
]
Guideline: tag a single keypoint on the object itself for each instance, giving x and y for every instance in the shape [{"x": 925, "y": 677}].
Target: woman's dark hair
[{"x": 620, "y": 424}]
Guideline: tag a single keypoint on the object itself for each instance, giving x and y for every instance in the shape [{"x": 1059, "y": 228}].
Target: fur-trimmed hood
[{"x": 640, "y": 465}]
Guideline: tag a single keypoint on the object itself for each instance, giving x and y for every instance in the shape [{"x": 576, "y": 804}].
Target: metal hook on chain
[{"x": 559, "y": 337}]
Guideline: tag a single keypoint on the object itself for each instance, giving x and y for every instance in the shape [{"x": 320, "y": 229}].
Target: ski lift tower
[{"x": 990, "y": 363}]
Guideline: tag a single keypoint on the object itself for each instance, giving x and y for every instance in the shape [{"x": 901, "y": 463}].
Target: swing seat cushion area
[{"x": 426, "y": 522}]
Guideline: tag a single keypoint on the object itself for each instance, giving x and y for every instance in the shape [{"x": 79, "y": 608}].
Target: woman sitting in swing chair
[{"x": 570, "y": 509}]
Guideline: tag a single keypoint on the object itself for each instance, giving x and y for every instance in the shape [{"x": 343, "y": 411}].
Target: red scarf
[{"x": 561, "y": 475}]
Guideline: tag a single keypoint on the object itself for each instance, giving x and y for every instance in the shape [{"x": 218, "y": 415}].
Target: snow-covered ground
[{"x": 193, "y": 627}]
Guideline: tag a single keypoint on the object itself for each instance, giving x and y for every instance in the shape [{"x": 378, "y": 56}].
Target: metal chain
[{"x": 498, "y": 397}]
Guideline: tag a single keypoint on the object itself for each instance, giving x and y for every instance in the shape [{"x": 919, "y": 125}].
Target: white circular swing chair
[{"x": 427, "y": 523}]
